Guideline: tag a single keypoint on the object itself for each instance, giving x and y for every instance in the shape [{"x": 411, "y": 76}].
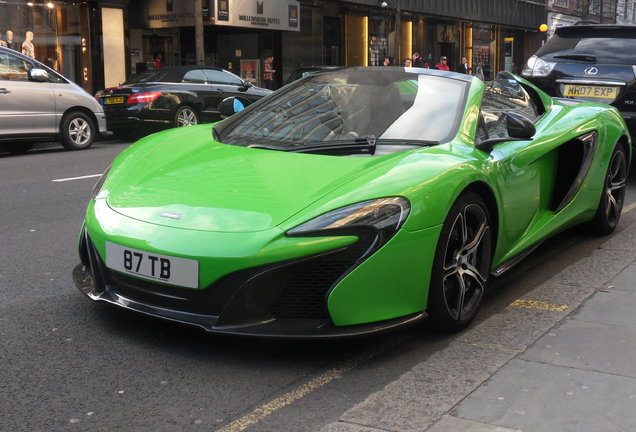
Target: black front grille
[{"x": 309, "y": 282}]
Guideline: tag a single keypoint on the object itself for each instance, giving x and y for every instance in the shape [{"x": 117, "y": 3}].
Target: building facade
[
  {"x": 73, "y": 38},
  {"x": 101, "y": 43}
]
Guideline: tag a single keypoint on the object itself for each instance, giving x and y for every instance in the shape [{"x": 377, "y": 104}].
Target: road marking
[
  {"x": 630, "y": 207},
  {"x": 288, "y": 398},
  {"x": 76, "y": 178},
  {"x": 534, "y": 304}
]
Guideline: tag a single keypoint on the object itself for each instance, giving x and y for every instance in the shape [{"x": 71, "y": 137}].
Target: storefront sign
[
  {"x": 171, "y": 13},
  {"x": 264, "y": 14}
]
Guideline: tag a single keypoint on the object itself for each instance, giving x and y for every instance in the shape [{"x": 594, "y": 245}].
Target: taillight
[{"x": 143, "y": 97}]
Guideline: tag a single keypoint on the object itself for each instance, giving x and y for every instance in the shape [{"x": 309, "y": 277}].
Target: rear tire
[
  {"x": 461, "y": 265},
  {"x": 77, "y": 131},
  {"x": 186, "y": 116},
  {"x": 610, "y": 207}
]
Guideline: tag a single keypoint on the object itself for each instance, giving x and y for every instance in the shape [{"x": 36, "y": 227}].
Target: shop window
[{"x": 48, "y": 34}]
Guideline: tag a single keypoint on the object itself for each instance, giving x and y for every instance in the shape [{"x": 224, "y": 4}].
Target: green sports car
[{"x": 349, "y": 202}]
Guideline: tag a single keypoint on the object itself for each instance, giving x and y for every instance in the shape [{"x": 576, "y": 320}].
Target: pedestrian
[
  {"x": 388, "y": 61},
  {"x": 443, "y": 64},
  {"x": 268, "y": 72},
  {"x": 418, "y": 61},
  {"x": 463, "y": 66},
  {"x": 407, "y": 62},
  {"x": 157, "y": 60}
]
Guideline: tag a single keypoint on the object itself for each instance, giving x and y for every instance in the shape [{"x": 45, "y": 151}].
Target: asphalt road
[{"x": 68, "y": 364}]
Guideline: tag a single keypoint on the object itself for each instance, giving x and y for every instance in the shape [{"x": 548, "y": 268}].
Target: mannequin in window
[
  {"x": 27, "y": 46},
  {"x": 10, "y": 42}
]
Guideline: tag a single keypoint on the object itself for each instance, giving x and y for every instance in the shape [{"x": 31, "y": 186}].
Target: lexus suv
[{"x": 589, "y": 62}]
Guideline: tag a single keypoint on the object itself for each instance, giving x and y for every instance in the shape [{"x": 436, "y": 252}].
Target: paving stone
[
  {"x": 514, "y": 328},
  {"x": 624, "y": 281},
  {"x": 625, "y": 240},
  {"x": 595, "y": 270},
  {"x": 348, "y": 427},
  {"x": 613, "y": 350},
  {"x": 428, "y": 391},
  {"x": 611, "y": 307},
  {"x": 540, "y": 397},
  {"x": 454, "y": 424}
]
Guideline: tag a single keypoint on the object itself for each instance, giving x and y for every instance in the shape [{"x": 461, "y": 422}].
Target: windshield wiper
[{"x": 365, "y": 144}]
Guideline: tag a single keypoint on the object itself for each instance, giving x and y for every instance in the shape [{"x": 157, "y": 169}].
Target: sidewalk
[{"x": 562, "y": 358}]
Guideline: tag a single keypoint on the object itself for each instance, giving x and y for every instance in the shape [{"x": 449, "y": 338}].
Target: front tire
[
  {"x": 77, "y": 131},
  {"x": 461, "y": 265},
  {"x": 186, "y": 116},
  {"x": 610, "y": 207}
]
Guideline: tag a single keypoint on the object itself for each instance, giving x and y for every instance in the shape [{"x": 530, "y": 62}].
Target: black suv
[{"x": 589, "y": 62}]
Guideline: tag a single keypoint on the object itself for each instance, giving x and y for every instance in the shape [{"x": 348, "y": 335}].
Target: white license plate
[{"x": 175, "y": 271}]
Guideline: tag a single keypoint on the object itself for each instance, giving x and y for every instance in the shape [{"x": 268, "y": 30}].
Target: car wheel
[
  {"x": 186, "y": 116},
  {"x": 461, "y": 265},
  {"x": 610, "y": 207},
  {"x": 77, "y": 131}
]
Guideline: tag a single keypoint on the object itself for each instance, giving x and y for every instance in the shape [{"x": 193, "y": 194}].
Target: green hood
[{"x": 217, "y": 187}]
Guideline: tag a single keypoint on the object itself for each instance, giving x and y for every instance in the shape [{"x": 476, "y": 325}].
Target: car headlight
[
  {"x": 385, "y": 216},
  {"x": 98, "y": 186},
  {"x": 536, "y": 67}
]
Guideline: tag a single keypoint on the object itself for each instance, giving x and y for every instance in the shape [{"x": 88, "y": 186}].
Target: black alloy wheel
[
  {"x": 610, "y": 207},
  {"x": 462, "y": 264}
]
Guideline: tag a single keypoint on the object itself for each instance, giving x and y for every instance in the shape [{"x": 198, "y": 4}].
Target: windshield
[
  {"x": 385, "y": 104},
  {"x": 610, "y": 46}
]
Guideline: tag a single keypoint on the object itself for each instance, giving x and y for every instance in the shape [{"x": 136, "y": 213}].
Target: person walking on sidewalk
[
  {"x": 268, "y": 72},
  {"x": 443, "y": 64}
]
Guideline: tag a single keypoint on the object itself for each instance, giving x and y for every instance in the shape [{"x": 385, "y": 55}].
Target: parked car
[
  {"x": 37, "y": 103},
  {"x": 349, "y": 202},
  {"x": 589, "y": 62},
  {"x": 172, "y": 96}
]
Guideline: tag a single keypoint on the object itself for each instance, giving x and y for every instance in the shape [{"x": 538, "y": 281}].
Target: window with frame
[
  {"x": 195, "y": 76},
  {"x": 13, "y": 68},
  {"x": 562, "y": 3},
  {"x": 221, "y": 77},
  {"x": 503, "y": 95}
]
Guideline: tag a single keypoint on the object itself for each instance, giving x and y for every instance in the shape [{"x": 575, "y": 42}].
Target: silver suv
[{"x": 37, "y": 103}]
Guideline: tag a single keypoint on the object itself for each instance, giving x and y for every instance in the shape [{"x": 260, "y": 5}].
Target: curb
[{"x": 422, "y": 398}]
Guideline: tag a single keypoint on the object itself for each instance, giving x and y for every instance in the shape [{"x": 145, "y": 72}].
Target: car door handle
[
  {"x": 219, "y": 90},
  {"x": 4, "y": 91}
]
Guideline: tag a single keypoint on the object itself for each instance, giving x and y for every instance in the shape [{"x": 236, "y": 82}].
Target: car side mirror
[
  {"x": 39, "y": 75},
  {"x": 246, "y": 85},
  {"x": 519, "y": 128},
  {"x": 230, "y": 106}
]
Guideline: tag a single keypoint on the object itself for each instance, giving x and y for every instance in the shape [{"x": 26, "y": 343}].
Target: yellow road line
[
  {"x": 534, "y": 304},
  {"x": 288, "y": 398},
  {"x": 630, "y": 207}
]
